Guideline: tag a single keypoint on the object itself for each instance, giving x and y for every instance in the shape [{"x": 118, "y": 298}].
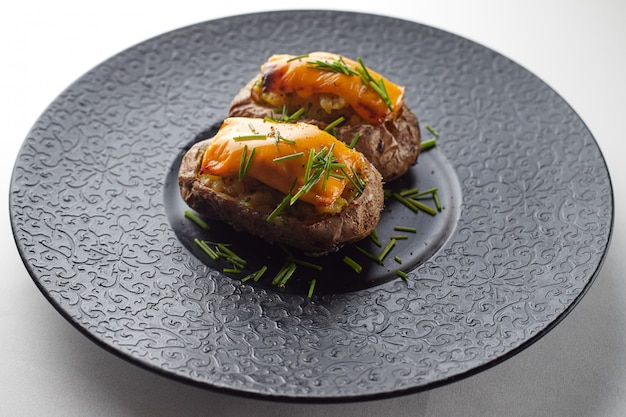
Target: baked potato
[
  {"x": 289, "y": 183},
  {"x": 323, "y": 89}
]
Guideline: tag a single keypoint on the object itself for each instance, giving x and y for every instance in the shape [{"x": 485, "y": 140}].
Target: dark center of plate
[{"x": 404, "y": 238}]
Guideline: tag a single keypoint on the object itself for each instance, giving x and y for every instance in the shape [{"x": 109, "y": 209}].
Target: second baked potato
[{"x": 323, "y": 88}]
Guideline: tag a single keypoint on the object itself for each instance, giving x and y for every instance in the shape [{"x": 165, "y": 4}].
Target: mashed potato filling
[
  {"x": 279, "y": 155},
  {"x": 335, "y": 79}
]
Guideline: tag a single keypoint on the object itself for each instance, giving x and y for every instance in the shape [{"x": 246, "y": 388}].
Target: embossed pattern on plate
[{"x": 88, "y": 214}]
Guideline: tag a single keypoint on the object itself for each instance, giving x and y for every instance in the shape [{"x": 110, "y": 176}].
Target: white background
[{"x": 47, "y": 368}]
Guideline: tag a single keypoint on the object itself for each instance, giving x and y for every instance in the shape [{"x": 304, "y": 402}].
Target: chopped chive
[
  {"x": 306, "y": 187},
  {"x": 245, "y": 171},
  {"x": 309, "y": 165},
  {"x": 281, "y": 206},
  {"x": 287, "y": 275},
  {"x": 437, "y": 202},
  {"x": 354, "y": 179},
  {"x": 361, "y": 71},
  {"x": 400, "y": 237},
  {"x": 298, "y": 57},
  {"x": 305, "y": 263},
  {"x": 361, "y": 183},
  {"x": 280, "y": 138},
  {"x": 337, "y": 66},
  {"x": 423, "y": 207},
  {"x": 397, "y": 259},
  {"x": 252, "y": 128},
  {"x": 196, "y": 219},
  {"x": 409, "y": 192},
  {"x": 368, "y": 255},
  {"x": 401, "y": 274},
  {"x": 244, "y": 164},
  {"x": 280, "y": 274},
  {"x": 311, "y": 288},
  {"x": 432, "y": 130},
  {"x": 231, "y": 271},
  {"x": 206, "y": 249},
  {"x": 249, "y": 137},
  {"x": 364, "y": 70},
  {"x": 431, "y": 191},
  {"x": 374, "y": 237},
  {"x": 385, "y": 95},
  {"x": 387, "y": 249},
  {"x": 296, "y": 115},
  {"x": 284, "y": 274},
  {"x": 333, "y": 124},
  {"x": 327, "y": 163},
  {"x": 381, "y": 92},
  {"x": 352, "y": 264},
  {"x": 287, "y": 157},
  {"x": 256, "y": 276},
  {"x": 427, "y": 144},
  {"x": 355, "y": 139},
  {"x": 406, "y": 202},
  {"x": 405, "y": 229},
  {"x": 230, "y": 256}
]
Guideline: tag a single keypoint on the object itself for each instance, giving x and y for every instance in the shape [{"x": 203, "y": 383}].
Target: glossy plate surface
[{"x": 526, "y": 222}]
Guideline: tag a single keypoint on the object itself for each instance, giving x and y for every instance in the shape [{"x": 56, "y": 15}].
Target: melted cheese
[
  {"x": 223, "y": 157},
  {"x": 284, "y": 74}
]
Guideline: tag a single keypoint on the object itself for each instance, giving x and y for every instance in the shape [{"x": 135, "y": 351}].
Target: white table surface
[{"x": 47, "y": 368}]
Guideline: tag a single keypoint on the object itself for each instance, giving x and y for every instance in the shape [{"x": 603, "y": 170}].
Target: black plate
[{"x": 526, "y": 220}]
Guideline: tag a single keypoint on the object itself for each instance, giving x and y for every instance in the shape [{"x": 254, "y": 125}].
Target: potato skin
[
  {"x": 315, "y": 238},
  {"x": 392, "y": 147}
]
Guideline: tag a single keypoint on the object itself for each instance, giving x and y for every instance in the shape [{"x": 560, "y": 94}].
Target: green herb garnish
[
  {"x": 402, "y": 274},
  {"x": 280, "y": 138},
  {"x": 294, "y": 58},
  {"x": 405, "y": 229},
  {"x": 355, "y": 139},
  {"x": 387, "y": 249},
  {"x": 287, "y": 157},
  {"x": 255, "y": 276},
  {"x": 284, "y": 274},
  {"x": 437, "y": 202},
  {"x": 196, "y": 219},
  {"x": 244, "y": 164},
  {"x": 427, "y": 144},
  {"x": 352, "y": 264},
  {"x": 423, "y": 207},
  {"x": 334, "y": 124},
  {"x": 249, "y": 137},
  {"x": 311, "y": 288},
  {"x": 305, "y": 263},
  {"x": 368, "y": 255},
  {"x": 206, "y": 249},
  {"x": 227, "y": 254},
  {"x": 361, "y": 71},
  {"x": 284, "y": 203},
  {"x": 432, "y": 130},
  {"x": 374, "y": 237}
]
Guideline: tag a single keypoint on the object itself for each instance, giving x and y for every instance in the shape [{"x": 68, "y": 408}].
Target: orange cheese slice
[
  {"x": 280, "y": 158},
  {"x": 304, "y": 75}
]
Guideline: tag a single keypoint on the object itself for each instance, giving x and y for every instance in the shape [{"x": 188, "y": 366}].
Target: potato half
[{"x": 247, "y": 203}]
